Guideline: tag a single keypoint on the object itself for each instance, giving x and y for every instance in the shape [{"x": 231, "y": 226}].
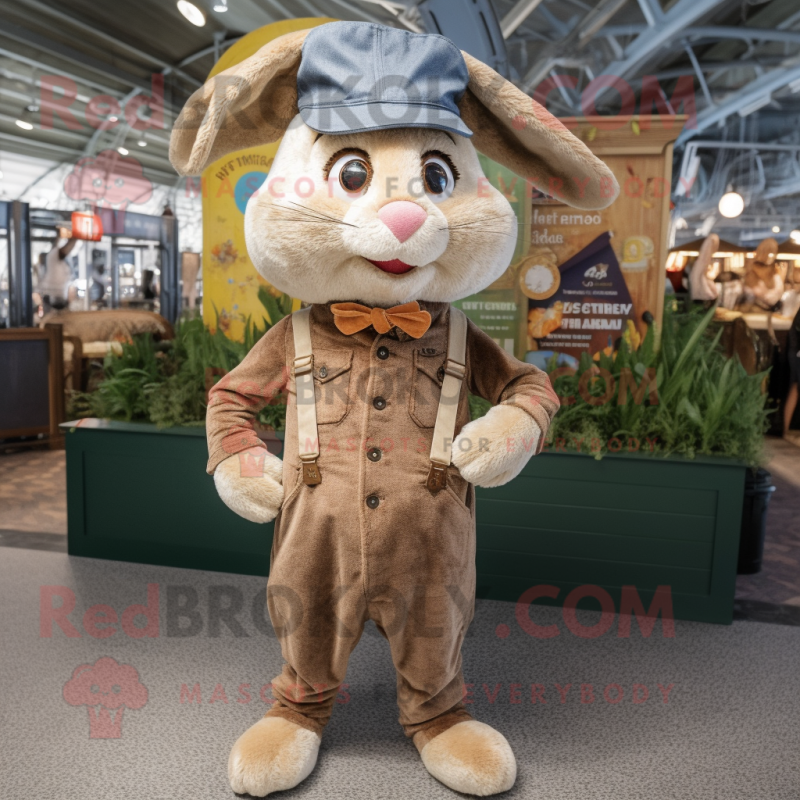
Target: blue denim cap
[{"x": 359, "y": 76}]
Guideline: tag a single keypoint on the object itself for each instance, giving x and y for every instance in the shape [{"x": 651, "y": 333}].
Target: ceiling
[{"x": 742, "y": 58}]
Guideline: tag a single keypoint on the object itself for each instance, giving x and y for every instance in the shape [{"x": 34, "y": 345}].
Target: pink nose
[{"x": 403, "y": 218}]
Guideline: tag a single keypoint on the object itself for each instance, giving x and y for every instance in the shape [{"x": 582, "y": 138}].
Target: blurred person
[
  {"x": 794, "y": 375},
  {"x": 54, "y": 288},
  {"x": 702, "y": 288},
  {"x": 763, "y": 285}
]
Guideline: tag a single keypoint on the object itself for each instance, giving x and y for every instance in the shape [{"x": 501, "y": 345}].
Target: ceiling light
[
  {"x": 122, "y": 151},
  {"x": 142, "y": 143},
  {"x": 795, "y": 236},
  {"x": 192, "y": 13},
  {"x": 25, "y": 119},
  {"x": 221, "y": 6},
  {"x": 731, "y": 204},
  {"x": 776, "y": 229}
]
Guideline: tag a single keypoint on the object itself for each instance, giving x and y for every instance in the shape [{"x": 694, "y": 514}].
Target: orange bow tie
[{"x": 353, "y": 317}]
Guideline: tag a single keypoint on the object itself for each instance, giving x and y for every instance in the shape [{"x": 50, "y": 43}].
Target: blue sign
[{"x": 246, "y": 187}]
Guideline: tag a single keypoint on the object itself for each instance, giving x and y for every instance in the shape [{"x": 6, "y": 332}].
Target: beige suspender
[
  {"x": 454, "y": 370},
  {"x": 443, "y": 431},
  {"x": 307, "y": 435}
]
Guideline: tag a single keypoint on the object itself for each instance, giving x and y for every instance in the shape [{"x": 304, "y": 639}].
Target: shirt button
[
  {"x": 379, "y": 403},
  {"x": 383, "y": 353},
  {"x": 373, "y": 501},
  {"x": 323, "y": 372},
  {"x": 374, "y": 454}
]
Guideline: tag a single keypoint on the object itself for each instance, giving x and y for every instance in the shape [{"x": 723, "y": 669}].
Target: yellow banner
[{"x": 230, "y": 281}]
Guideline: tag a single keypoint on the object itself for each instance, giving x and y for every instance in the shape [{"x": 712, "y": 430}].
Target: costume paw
[
  {"x": 493, "y": 449},
  {"x": 471, "y": 757},
  {"x": 272, "y": 756},
  {"x": 253, "y": 491}
]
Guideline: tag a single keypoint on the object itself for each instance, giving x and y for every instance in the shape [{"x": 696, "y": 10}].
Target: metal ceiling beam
[
  {"x": 761, "y": 87},
  {"x": 595, "y": 20},
  {"x": 575, "y": 39},
  {"x": 226, "y": 43},
  {"x": 651, "y": 11},
  {"x": 49, "y": 69},
  {"x": 107, "y": 38},
  {"x": 672, "y": 25},
  {"x": 400, "y": 12},
  {"x": 746, "y": 34},
  {"x": 19, "y": 34},
  {"x": 713, "y": 32},
  {"x": 519, "y": 12}
]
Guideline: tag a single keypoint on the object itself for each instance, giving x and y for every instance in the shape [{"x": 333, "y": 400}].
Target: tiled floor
[
  {"x": 33, "y": 499},
  {"x": 779, "y": 580},
  {"x": 33, "y": 491}
]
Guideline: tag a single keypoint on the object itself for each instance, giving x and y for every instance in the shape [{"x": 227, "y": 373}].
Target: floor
[
  {"x": 614, "y": 718},
  {"x": 713, "y": 712},
  {"x": 33, "y": 491},
  {"x": 774, "y": 593}
]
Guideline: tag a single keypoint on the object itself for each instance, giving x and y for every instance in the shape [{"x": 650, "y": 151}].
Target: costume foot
[
  {"x": 272, "y": 756},
  {"x": 472, "y": 758}
]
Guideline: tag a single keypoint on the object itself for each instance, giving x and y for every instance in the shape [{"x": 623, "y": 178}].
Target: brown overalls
[{"x": 371, "y": 541}]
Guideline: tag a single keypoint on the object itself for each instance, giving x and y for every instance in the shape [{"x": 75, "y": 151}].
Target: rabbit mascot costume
[{"x": 376, "y": 214}]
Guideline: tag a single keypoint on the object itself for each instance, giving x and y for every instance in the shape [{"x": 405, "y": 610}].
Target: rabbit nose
[{"x": 403, "y": 218}]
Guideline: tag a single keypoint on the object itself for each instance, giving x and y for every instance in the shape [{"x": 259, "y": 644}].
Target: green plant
[
  {"x": 165, "y": 382},
  {"x": 685, "y": 397}
]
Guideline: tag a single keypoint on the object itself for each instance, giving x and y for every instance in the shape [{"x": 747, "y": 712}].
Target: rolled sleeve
[
  {"x": 238, "y": 397},
  {"x": 498, "y": 377}
]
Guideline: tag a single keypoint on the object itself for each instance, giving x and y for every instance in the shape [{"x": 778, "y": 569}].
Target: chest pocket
[
  {"x": 426, "y": 389},
  {"x": 332, "y": 369}
]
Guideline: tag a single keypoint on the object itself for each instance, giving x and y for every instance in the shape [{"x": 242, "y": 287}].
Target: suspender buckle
[
  {"x": 311, "y": 474},
  {"x": 437, "y": 477},
  {"x": 455, "y": 369},
  {"x": 303, "y": 365}
]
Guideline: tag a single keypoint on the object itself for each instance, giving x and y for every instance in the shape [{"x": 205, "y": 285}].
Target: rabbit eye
[
  {"x": 438, "y": 178},
  {"x": 349, "y": 176},
  {"x": 354, "y": 175}
]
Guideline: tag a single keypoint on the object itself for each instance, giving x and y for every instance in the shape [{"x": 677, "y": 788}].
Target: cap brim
[{"x": 340, "y": 118}]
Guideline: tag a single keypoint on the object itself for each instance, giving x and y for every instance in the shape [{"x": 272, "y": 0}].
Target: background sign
[{"x": 230, "y": 281}]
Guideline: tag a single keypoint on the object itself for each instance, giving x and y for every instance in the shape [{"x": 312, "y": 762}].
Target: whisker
[
  {"x": 307, "y": 221},
  {"x": 479, "y": 230},
  {"x": 321, "y": 214}
]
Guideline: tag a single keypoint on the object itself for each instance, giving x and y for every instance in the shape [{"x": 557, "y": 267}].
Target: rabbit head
[{"x": 390, "y": 215}]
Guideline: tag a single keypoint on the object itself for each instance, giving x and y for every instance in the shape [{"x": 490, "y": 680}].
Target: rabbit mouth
[{"x": 393, "y": 267}]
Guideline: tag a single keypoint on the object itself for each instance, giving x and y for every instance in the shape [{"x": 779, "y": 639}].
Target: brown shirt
[{"x": 373, "y": 391}]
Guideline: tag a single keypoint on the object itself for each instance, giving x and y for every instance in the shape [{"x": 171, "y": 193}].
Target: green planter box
[
  {"x": 627, "y": 520},
  {"x": 136, "y": 493}
]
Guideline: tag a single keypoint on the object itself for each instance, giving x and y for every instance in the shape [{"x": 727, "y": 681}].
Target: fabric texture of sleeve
[
  {"x": 498, "y": 377},
  {"x": 236, "y": 399}
]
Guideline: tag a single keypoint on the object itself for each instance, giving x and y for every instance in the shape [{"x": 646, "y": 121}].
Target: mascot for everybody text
[{"x": 377, "y": 215}]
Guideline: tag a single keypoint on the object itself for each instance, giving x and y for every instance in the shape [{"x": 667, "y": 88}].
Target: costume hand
[
  {"x": 250, "y": 483},
  {"x": 493, "y": 449}
]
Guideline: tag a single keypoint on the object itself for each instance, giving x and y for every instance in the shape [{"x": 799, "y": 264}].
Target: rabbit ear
[
  {"x": 519, "y": 133},
  {"x": 249, "y": 104}
]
